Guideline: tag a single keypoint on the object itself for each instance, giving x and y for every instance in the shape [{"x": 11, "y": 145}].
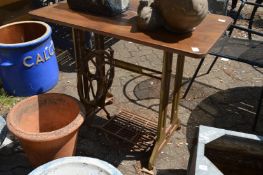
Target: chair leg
[
  {"x": 258, "y": 111},
  {"x": 239, "y": 11},
  {"x": 212, "y": 65},
  {"x": 234, "y": 4},
  {"x": 193, "y": 78},
  {"x": 236, "y": 17},
  {"x": 251, "y": 20}
]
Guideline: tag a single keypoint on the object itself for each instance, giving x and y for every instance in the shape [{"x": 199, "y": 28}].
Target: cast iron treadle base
[{"x": 132, "y": 128}]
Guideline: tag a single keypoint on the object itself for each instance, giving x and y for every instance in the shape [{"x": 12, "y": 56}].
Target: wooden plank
[{"x": 124, "y": 27}]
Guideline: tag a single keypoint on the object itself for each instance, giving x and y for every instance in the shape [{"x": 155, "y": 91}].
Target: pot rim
[
  {"x": 45, "y": 136},
  {"x": 44, "y": 37},
  {"x": 76, "y": 159}
]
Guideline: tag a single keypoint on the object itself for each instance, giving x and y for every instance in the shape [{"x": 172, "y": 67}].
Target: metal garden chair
[
  {"x": 247, "y": 50},
  {"x": 256, "y": 4}
]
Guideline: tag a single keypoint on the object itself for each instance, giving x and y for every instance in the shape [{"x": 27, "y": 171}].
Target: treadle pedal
[{"x": 109, "y": 99}]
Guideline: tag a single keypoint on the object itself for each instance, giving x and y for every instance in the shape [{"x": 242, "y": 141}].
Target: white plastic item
[{"x": 76, "y": 166}]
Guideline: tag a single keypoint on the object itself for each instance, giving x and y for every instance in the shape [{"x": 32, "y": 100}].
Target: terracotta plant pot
[{"x": 47, "y": 126}]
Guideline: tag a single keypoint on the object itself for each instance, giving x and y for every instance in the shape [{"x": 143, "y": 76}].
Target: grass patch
[{"x": 6, "y": 101}]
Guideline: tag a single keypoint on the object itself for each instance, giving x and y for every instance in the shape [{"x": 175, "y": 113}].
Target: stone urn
[{"x": 182, "y": 15}]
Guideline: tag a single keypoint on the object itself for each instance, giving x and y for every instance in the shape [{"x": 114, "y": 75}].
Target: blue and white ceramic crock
[{"x": 28, "y": 64}]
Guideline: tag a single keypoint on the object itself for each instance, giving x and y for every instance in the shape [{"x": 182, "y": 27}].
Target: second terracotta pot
[{"x": 47, "y": 126}]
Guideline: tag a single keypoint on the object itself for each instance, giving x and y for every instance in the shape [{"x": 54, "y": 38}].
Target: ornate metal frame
[{"x": 95, "y": 99}]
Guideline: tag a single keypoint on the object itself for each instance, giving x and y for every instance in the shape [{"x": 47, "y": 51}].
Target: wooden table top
[{"x": 196, "y": 44}]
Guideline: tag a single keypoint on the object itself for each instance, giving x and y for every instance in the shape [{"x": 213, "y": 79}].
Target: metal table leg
[
  {"x": 79, "y": 50},
  {"x": 164, "y": 133},
  {"x": 94, "y": 80},
  {"x": 177, "y": 88}
]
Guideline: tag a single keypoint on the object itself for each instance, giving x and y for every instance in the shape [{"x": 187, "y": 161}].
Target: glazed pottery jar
[
  {"x": 182, "y": 15},
  {"x": 28, "y": 64}
]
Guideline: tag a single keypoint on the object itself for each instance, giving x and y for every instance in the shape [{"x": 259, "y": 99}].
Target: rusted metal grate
[{"x": 132, "y": 128}]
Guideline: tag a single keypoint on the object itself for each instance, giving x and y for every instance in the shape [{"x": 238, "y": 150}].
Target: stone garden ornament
[{"x": 179, "y": 16}]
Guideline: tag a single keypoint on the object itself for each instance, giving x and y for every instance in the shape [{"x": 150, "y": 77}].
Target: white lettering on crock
[
  {"x": 47, "y": 53},
  {"x": 26, "y": 61},
  {"x": 39, "y": 59},
  {"x": 51, "y": 49}
]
